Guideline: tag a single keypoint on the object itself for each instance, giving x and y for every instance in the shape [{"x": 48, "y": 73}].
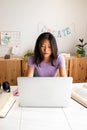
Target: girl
[{"x": 46, "y": 62}]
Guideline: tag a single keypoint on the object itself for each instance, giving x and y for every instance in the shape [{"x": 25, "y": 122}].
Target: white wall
[{"x": 30, "y": 16}]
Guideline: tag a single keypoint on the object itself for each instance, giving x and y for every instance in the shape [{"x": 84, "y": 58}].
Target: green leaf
[{"x": 85, "y": 44}]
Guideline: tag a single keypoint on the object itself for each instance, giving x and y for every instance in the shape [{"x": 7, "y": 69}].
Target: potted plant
[
  {"x": 27, "y": 54},
  {"x": 81, "y": 48},
  {"x": 24, "y": 62}
]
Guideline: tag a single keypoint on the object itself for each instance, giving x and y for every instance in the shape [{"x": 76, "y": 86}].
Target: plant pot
[
  {"x": 79, "y": 55},
  {"x": 82, "y": 54}
]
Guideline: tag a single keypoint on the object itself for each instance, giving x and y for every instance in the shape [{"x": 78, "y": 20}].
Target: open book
[
  {"x": 79, "y": 93},
  {"x": 6, "y": 102}
]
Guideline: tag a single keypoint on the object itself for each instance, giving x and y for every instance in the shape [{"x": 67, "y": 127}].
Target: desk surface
[{"x": 73, "y": 117}]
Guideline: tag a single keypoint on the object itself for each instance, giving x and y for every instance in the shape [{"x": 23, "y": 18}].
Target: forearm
[
  {"x": 30, "y": 71},
  {"x": 62, "y": 72}
]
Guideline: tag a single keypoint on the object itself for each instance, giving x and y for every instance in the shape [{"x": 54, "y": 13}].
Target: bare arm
[
  {"x": 62, "y": 72},
  {"x": 30, "y": 71}
]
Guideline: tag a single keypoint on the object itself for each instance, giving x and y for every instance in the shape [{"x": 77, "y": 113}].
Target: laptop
[{"x": 44, "y": 91}]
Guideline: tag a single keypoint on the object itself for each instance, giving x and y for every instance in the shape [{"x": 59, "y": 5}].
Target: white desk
[{"x": 73, "y": 117}]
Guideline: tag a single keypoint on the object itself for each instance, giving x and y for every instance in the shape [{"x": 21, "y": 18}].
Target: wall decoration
[
  {"x": 57, "y": 33},
  {"x": 10, "y": 38}
]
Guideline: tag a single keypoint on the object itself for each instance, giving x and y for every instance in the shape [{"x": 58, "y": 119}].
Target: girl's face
[{"x": 46, "y": 48}]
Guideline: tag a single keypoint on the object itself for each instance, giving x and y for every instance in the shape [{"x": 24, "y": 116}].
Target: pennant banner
[{"x": 57, "y": 33}]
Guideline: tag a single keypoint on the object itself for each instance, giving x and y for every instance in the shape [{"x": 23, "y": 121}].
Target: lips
[{"x": 46, "y": 53}]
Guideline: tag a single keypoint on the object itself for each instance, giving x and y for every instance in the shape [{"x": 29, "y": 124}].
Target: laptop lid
[{"x": 44, "y": 91}]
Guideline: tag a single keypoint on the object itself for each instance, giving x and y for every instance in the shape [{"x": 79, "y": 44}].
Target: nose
[{"x": 46, "y": 49}]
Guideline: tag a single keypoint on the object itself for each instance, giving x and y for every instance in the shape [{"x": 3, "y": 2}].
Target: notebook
[
  {"x": 6, "y": 102},
  {"x": 44, "y": 91}
]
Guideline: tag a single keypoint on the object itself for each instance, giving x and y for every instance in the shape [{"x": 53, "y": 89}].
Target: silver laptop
[{"x": 44, "y": 91}]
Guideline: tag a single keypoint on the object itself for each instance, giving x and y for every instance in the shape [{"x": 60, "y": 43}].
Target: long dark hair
[{"x": 37, "y": 51}]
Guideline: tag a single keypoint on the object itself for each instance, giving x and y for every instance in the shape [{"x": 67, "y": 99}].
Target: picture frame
[{"x": 10, "y": 37}]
